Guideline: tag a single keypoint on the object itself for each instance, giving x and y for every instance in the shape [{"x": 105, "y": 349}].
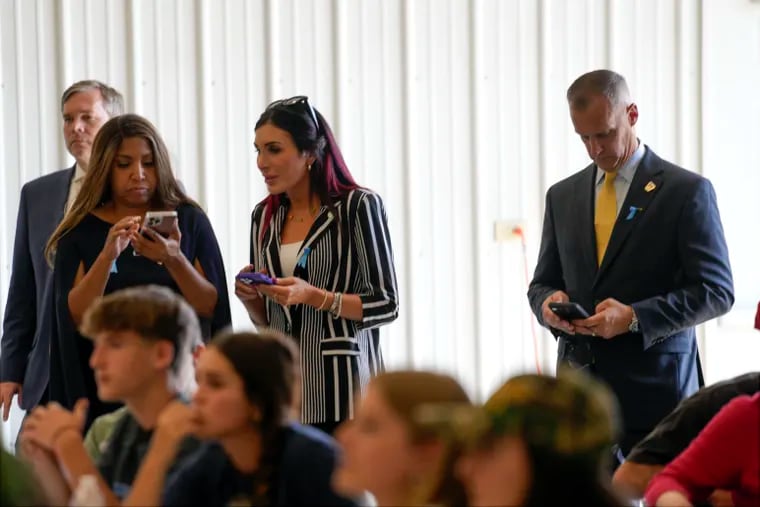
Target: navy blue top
[
  {"x": 301, "y": 476},
  {"x": 70, "y": 375}
]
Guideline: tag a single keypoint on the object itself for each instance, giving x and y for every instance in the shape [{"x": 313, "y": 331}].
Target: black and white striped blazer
[{"x": 348, "y": 250}]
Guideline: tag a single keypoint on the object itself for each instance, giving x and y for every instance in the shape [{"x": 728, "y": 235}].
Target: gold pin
[{"x": 650, "y": 186}]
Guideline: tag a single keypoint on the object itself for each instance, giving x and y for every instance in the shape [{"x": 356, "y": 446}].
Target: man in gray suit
[
  {"x": 25, "y": 345},
  {"x": 638, "y": 243}
]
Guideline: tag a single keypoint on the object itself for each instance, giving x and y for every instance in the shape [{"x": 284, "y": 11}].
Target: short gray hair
[
  {"x": 113, "y": 101},
  {"x": 604, "y": 82}
]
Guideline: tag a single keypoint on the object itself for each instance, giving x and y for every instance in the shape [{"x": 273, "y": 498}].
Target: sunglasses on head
[{"x": 298, "y": 100}]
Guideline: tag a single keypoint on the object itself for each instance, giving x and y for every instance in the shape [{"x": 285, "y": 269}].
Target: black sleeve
[
  {"x": 20, "y": 309},
  {"x": 66, "y": 381},
  {"x": 307, "y": 477},
  {"x": 547, "y": 277},
  {"x": 116, "y": 440},
  {"x": 374, "y": 253},
  {"x": 186, "y": 484},
  {"x": 209, "y": 256},
  {"x": 676, "y": 431}
]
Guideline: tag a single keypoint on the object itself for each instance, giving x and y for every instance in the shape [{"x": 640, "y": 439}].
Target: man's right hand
[
  {"x": 7, "y": 391},
  {"x": 550, "y": 318}
]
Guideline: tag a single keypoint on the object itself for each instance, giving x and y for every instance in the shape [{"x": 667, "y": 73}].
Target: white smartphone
[{"x": 160, "y": 221}]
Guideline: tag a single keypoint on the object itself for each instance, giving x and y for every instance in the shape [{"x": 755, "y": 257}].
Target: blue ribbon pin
[
  {"x": 302, "y": 261},
  {"x": 632, "y": 211}
]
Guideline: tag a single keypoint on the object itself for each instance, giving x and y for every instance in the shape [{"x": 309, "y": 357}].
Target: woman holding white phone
[{"x": 100, "y": 247}]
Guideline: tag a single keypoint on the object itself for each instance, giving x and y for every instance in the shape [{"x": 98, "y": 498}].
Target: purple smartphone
[{"x": 254, "y": 278}]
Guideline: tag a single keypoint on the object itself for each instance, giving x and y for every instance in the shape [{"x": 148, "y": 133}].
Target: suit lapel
[
  {"x": 318, "y": 230},
  {"x": 272, "y": 241},
  {"x": 63, "y": 197},
  {"x": 646, "y": 183},
  {"x": 320, "y": 226},
  {"x": 272, "y": 247},
  {"x": 584, "y": 203}
]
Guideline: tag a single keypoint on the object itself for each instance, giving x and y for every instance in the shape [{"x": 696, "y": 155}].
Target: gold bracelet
[{"x": 321, "y": 306}]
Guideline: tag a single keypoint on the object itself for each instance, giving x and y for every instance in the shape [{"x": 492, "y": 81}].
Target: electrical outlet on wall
[{"x": 506, "y": 230}]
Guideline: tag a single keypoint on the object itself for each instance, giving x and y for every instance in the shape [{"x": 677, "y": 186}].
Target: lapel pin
[
  {"x": 650, "y": 186},
  {"x": 632, "y": 211},
  {"x": 302, "y": 261}
]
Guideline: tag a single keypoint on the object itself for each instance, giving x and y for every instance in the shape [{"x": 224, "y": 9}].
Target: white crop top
[{"x": 289, "y": 257}]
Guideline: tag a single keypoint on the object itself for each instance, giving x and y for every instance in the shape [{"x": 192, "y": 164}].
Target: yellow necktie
[{"x": 606, "y": 214}]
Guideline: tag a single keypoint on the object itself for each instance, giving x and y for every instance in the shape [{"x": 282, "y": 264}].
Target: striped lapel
[{"x": 271, "y": 245}]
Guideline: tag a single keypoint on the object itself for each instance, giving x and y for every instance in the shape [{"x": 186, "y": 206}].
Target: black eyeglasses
[{"x": 298, "y": 100}]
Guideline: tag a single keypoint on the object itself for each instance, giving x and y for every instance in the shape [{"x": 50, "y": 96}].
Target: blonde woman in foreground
[{"x": 387, "y": 454}]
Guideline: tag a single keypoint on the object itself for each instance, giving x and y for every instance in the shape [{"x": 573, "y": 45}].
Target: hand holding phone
[
  {"x": 568, "y": 311},
  {"x": 254, "y": 278},
  {"x": 161, "y": 221}
]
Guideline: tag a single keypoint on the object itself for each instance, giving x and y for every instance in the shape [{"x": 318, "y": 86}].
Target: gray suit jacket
[{"x": 25, "y": 346}]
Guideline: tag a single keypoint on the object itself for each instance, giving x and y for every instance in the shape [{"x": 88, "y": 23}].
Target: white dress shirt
[{"x": 76, "y": 184}]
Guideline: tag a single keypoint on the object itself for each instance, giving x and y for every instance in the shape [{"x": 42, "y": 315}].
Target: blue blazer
[
  {"x": 25, "y": 347},
  {"x": 667, "y": 258}
]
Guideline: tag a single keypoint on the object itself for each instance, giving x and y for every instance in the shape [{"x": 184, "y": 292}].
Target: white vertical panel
[
  {"x": 484, "y": 167},
  {"x": 388, "y": 157},
  {"x": 730, "y": 153},
  {"x": 322, "y": 65},
  {"x": 7, "y": 211},
  {"x": 687, "y": 88},
  {"x": 453, "y": 110},
  {"x": 166, "y": 92},
  {"x": 421, "y": 244},
  {"x": 117, "y": 42},
  {"x": 188, "y": 99},
  {"x": 239, "y": 132},
  {"x": 460, "y": 307},
  {"x": 7, "y": 215},
  {"x": 146, "y": 57}
]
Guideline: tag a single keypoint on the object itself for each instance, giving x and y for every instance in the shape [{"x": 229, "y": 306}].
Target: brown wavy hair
[{"x": 96, "y": 187}]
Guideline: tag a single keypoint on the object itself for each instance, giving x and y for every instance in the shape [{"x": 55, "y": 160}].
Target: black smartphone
[{"x": 568, "y": 311}]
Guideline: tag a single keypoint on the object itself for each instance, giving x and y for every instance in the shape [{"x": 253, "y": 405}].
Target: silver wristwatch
[{"x": 633, "y": 327}]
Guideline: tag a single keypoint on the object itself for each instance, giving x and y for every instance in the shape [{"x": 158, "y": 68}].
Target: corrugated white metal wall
[{"x": 453, "y": 110}]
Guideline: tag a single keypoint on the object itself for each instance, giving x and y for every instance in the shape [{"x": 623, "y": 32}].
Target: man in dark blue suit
[
  {"x": 25, "y": 346},
  {"x": 638, "y": 242}
]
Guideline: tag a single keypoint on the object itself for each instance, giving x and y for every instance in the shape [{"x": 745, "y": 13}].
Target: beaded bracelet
[
  {"x": 334, "y": 305},
  {"x": 337, "y": 305}
]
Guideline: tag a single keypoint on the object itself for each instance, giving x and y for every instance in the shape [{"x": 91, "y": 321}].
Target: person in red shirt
[{"x": 723, "y": 456}]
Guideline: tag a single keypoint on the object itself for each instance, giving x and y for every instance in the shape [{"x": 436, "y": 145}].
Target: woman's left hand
[
  {"x": 154, "y": 246},
  {"x": 289, "y": 291}
]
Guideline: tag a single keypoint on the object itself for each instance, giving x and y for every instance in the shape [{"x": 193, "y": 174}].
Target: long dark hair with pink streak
[{"x": 329, "y": 176}]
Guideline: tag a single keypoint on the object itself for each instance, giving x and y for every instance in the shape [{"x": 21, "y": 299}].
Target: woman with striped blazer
[{"x": 324, "y": 240}]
